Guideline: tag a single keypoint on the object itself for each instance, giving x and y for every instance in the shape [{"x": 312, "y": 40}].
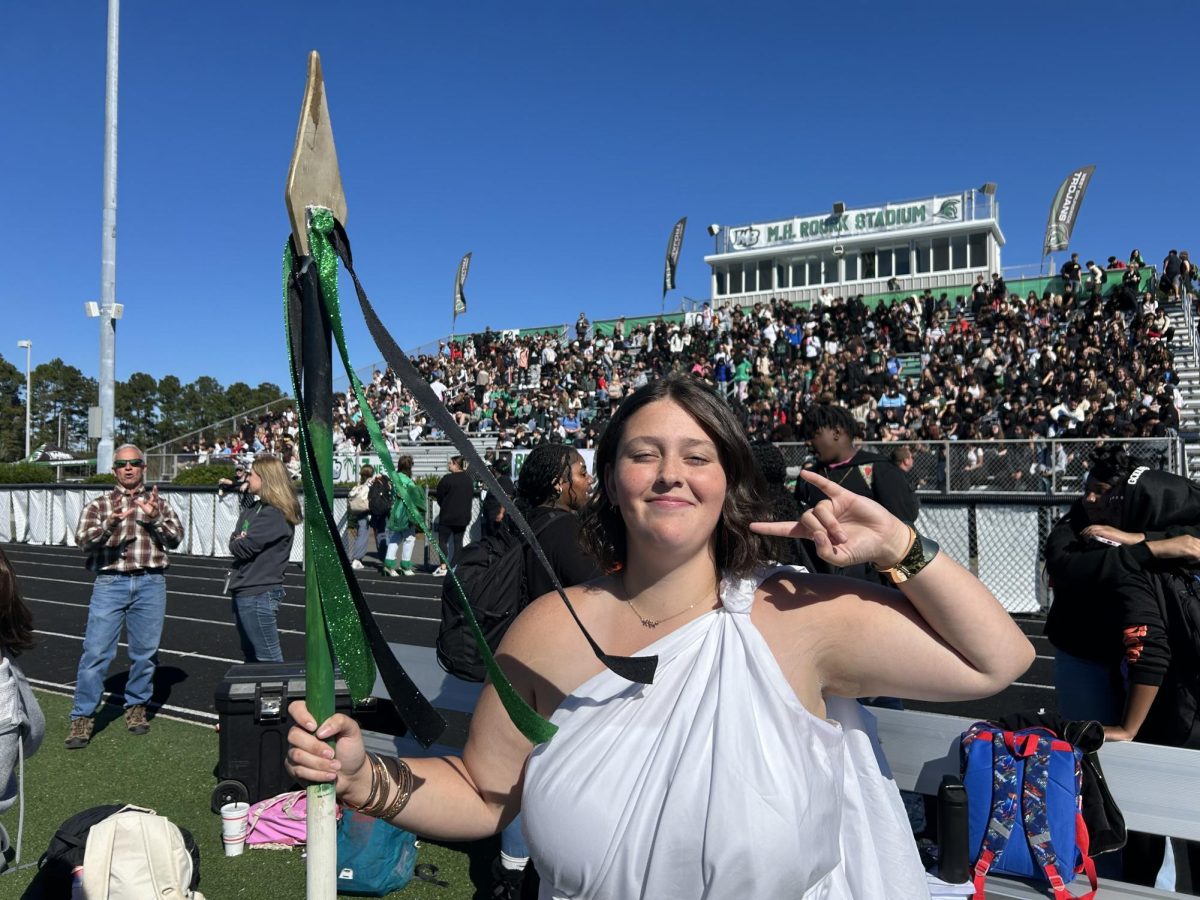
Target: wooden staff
[{"x": 314, "y": 181}]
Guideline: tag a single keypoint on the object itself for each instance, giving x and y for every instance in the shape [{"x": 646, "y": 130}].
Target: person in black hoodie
[
  {"x": 454, "y": 494},
  {"x": 261, "y": 544},
  {"x": 552, "y": 487},
  {"x": 1154, "y": 517},
  {"x": 1157, "y": 528},
  {"x": 1083, "y": 624},
  {"x": 831, "y": 430}
]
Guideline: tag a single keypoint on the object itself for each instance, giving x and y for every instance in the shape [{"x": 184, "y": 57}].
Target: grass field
[{"x": 170, "y": 770}]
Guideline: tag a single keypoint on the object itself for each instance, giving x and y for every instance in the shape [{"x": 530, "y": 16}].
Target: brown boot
[
  {"x": 80, "y": 734},
  {"x": 135, "y": 720}
]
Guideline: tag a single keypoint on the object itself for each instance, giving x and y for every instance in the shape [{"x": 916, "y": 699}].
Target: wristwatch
[{"x": 920, "y": 553}]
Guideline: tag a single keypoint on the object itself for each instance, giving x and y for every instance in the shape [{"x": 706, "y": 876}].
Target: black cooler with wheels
[{"x": 252, "y": 702}]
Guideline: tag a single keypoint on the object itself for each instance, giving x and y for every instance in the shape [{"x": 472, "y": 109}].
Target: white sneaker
[
  {"x": 407, "y": 573},
  {"x": 356, "y": 564},
  {"x": 439, "y": 572},
  {"x": 390, "y": 573}
]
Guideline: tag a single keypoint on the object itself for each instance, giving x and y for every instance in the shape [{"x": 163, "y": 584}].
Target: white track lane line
[
  {"x": 377, "y": 613},
  {"x": 185, "y": 654},
  {"x": 69, "y": 690},
  {"x": 221, "y": 622},
  {"x": 171, "y": 573}
]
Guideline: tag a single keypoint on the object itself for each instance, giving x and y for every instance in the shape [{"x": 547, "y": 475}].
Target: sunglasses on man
[{"x": 128, "y": 464}]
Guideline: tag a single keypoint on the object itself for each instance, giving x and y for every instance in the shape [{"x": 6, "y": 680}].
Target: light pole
[
  {"x": 108, "y": 248},
  {"x": 27, "y": 346}
]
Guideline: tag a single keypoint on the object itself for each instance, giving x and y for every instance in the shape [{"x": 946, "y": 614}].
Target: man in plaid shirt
[{"x": 126, "y": 536}]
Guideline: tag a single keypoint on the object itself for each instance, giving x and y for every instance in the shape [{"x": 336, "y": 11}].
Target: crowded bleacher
[{"x": 1087, "y": 359}]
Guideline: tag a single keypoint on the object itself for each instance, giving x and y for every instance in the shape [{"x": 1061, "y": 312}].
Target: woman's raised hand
[
  {"x": 847, "y": 528},
  {"x": 310, "y": 759}
]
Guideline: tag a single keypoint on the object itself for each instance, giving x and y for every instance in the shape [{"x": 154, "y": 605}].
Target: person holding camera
[
  {"x": 261, "y": 544},
  {"x": 236, "y": 485}
]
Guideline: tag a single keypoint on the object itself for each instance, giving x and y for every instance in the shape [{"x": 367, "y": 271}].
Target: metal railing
[
  {"x": 222, "y": 427},
  {"x": 1039, "y": 466},
  {"x": 1000, "y": 539}
]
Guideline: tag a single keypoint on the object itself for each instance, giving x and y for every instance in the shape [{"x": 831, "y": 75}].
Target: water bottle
[{"x": 954, "y": 866}]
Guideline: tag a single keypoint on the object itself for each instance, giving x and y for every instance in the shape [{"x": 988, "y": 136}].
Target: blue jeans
[
  {"x": 1087, "y": 689},
  {"x": 512, "y": 840},
  {"x": 256, "y": 616},
  {"x": 139, "y": 602},
  {"x": 361, "y": 522}
]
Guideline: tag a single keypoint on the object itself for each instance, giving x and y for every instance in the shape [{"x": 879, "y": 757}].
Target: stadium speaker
[
  {"x": 714, "y": 230},
  {"x": 989, "y": 189},
  {"x": 839, "y": 208}
]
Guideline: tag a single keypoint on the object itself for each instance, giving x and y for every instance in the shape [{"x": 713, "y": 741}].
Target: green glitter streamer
[
  {"x": 534, "y": 727},
  {"x": 341, "y": 618}
]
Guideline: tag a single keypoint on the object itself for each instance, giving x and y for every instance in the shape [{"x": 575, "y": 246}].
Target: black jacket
[
  {"x": 379, "y": 497},
  {"x": 491, "y": 503},
  {"x": 454, "y": 494},
  {"x": 1085, "y": 617},
  {"x": 560, "y": 542},
  {"x": 867, "y": 475},
  {"x": 1160, "y": 612}
]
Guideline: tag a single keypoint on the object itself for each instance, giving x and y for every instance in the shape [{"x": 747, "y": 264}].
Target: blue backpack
[{"x": 1024, "y": 807}]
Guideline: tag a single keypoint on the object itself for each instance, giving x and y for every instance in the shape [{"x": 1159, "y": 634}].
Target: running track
[{"x": 199, "y": 642}]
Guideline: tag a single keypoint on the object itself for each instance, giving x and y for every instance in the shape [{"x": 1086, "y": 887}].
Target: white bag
[
  {"x": 359, "y": 498},
  {"x": 135, "y": 854}
]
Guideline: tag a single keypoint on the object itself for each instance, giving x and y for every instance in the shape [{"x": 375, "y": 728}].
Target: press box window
[
  {"x": 958, "y": 252},
  {"x": 766, "y": 269},
  {"x": 924, "y": 251},
  {"x": 941, "y": 254},
  {"x": 977, "y": 250}
]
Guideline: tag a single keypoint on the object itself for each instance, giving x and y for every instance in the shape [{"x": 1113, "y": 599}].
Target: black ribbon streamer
[
  {"x": 422, "y": 720},
  {"x": 632, "y": 668}
]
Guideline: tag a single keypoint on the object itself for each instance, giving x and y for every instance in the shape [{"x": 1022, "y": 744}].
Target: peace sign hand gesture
[{"x": 847, "y": 528}]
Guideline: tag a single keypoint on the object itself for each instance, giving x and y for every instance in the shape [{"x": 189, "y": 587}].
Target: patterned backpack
[{"x": 1024, "y": 807}]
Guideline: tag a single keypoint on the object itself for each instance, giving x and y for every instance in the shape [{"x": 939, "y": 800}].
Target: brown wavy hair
[
  {"x": 16, "y": 621},
  {"x": 737, "y": 549}
]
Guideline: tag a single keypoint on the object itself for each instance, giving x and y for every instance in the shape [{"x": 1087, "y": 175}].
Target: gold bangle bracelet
[
  {"x": 385, "y": 789},
  {"x": 372, "y": 792},
  {"x": 404, "y": 779}
]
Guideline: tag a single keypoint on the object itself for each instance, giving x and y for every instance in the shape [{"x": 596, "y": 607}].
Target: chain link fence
[{"x": 1057, "y": 466}]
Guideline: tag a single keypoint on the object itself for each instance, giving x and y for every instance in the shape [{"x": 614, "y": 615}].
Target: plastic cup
[
  {"x": 234, "y": 819},
  {"x": 234, "y": 845}
]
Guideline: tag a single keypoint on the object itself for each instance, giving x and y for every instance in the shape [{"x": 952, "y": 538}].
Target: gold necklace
[{"x": 654, "y": 623}]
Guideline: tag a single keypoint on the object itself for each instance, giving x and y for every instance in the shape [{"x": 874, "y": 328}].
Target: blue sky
[{"x": 557, "y": 141}]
